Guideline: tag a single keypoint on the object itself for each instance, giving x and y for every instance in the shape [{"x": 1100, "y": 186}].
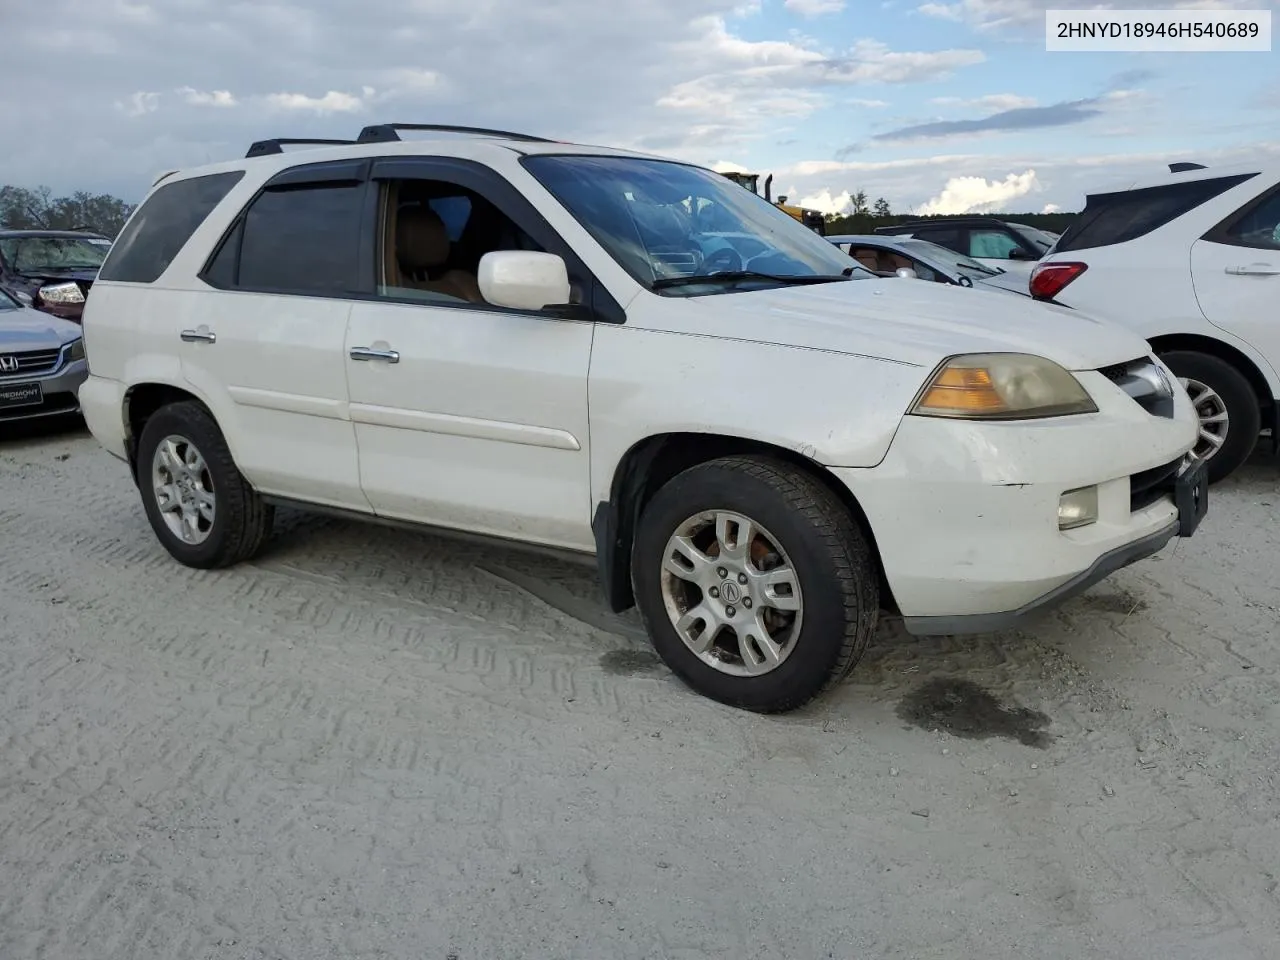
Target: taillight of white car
[{"x": 1049, "y": 279}]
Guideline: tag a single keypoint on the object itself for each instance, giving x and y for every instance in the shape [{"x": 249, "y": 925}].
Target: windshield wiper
[{"x": 738, "y": 276}]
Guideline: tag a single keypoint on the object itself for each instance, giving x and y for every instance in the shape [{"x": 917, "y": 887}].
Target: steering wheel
[{"x": 724, "y": 260}]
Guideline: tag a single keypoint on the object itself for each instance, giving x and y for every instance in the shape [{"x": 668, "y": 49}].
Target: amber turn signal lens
[{"x": 963, "y": 390}]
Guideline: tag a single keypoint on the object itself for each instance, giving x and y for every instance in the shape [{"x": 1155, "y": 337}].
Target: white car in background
[
  {"x": 1191, "y": 261},
  {"x": 549, "y": 344},
  {"x": 1000, "y": 244}
]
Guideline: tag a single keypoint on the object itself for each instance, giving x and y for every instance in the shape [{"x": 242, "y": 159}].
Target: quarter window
[{"x": 161, "y": 227}]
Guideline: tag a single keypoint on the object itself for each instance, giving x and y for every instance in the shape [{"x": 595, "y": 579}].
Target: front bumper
[
  {"x": 965, "y": 514},
  {"x": 58, "y": 393}
]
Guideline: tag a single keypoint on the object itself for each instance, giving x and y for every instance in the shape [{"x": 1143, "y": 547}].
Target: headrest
[{"x": 422, "y": 241}]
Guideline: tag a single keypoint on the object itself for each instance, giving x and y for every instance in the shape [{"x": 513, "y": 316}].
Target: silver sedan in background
[
  {"x": 42, "y": 363},
  {"x": 888, "y": 255}
]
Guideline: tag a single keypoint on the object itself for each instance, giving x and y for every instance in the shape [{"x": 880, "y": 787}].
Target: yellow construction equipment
[{"x": 812, "y": 219}]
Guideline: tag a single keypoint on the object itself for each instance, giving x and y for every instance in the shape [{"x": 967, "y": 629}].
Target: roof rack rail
[
  {"x": 262, "y": 148},
  {"x": 1182, "y": 166},
  {"x": 389, "y": 132}
]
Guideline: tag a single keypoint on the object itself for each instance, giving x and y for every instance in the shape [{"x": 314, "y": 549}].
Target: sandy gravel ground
[{"x": 374, "y": 744}]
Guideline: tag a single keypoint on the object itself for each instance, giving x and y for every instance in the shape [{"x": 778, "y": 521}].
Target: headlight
[
  {"x": 75, "y": 350},
  {"x": 61, "y": 293},
  {"x": 1002, "y": 386}
]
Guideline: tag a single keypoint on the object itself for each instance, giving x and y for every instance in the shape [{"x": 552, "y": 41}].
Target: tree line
[
  {"x": 864, "y": 216},
  {"x": 39, "y": 209}
]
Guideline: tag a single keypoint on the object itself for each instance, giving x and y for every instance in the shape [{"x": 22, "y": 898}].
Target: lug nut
[
  {"x": 730, "y": 611},
  {"x": 742, "y": 578},
  {"x": 746, "y": 602},
  {"x": 714, "y": 591},
  {"x": 722, "y": 572}
]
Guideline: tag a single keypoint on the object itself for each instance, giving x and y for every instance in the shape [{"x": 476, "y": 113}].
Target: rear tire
[
  {"x": 806, "y": 576},
  {"x": 1218, "y": 388},
  {"x": 200, "y": 506}
]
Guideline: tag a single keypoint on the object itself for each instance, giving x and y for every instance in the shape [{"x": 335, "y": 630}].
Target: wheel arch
[
  {"x": 651, "y": 462},
  {"x": 1199, "y": 343},
  {"x": 141, "y": 401}
]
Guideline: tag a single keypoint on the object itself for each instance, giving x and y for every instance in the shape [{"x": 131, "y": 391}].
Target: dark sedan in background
[{"x": 51, "y": 270}]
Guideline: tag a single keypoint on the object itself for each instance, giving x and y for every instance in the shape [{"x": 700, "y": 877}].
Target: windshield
[
  {"x": 7, "y": 302},
  {"x": 1041, "y": 240},
  {"x": 34, "y": 254},
  {"x": 958, "y": 262},
  {"x": 668, "y": 224}
]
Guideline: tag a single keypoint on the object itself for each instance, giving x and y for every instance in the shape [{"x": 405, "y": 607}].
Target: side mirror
[
  {"x": 906, "y": 273},
  {"x": 523, "y": 279}
]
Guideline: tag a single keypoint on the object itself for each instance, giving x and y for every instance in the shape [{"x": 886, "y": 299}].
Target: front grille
[
  {"x": 29, "y": 363},
  {"x": 1145, "y": 383},
  {"x": 1148, "y": 486}
]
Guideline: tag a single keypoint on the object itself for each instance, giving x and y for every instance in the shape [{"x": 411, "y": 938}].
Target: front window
[
  {"x": 38, "y": 254},
  {"x": 7, "y": 302},
  {"x": 684, "y": 230}
]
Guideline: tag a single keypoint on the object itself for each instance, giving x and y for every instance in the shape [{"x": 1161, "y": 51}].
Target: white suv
[
  {"x": 1190, "y": 260},
  {"x": 542, "y": 342}
]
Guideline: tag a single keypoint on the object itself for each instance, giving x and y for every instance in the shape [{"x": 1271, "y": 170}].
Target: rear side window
[
  {"x": 295, "y": 239},
  {"x": 1110, "y": 218},
  {"x": 163, "y": 225},
  {"x": 949, "y": 237},
  {"x": 1258, "y": 227}
]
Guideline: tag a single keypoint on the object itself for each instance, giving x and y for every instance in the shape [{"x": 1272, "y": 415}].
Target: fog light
[{"x": 1078, "y": 508}]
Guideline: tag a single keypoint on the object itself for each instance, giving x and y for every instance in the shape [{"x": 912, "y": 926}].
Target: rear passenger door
[
  {"x": 1236, "y": 271},
  {"x": 265, "y": 345}
]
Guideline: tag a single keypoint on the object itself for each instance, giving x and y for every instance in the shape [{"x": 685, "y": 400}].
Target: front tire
[
  {"x": 1228, "y": 408},
  {"x": 200, "y": 506},
  {"x": 756, "y": 586}
]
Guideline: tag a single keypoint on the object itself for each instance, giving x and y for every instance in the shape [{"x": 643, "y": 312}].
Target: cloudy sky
[{"x": 942, "y": 106}]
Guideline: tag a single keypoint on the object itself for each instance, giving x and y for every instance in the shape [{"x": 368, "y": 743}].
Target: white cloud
[
  {"x": 814, "y": 8},
  {"x": 728, "y": 166},
  {"x": 213, "y": 98},
  {"x": 825, "y": 202},
  {"x": 332, "y": 102},
  {"x": 1051, "y": 208},
  {"x": 869, "y": 104},
  {"x": 992, "y": 101},
  {"x": 977, "y": 195},
  {"x": 139, "y": 103}
]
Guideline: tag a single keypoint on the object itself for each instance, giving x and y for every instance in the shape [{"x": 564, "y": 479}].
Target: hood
[
  {"x": 43, "y": 276},
  {"x": 914, "y": 321},
  {"x": 27, "y": 329}
]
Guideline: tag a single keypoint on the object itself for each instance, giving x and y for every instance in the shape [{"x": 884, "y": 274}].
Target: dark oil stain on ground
[
  {"x": 964, "y": 709},
  {"x": 625, "y": 663}
]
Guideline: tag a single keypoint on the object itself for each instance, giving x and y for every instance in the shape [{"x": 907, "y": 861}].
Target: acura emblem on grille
[{"x": 8, "y": 364}]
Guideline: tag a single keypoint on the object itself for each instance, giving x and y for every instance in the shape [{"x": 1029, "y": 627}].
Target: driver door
[{"x": 468, "y": 415}]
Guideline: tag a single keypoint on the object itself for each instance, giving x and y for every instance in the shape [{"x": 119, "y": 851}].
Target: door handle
[
  {"x": 1254, "y": 270},
  {"x": 368, "y": 353},
  {"x": 203, "y": 335}
]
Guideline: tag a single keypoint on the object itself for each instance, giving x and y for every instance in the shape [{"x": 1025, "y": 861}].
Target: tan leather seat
[
  {"x": 867, "y": 258},
  {"x": 422, "y": 246}
]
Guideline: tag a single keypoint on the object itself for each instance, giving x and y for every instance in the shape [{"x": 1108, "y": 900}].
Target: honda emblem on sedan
[{"x": 8, "y": 364}]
